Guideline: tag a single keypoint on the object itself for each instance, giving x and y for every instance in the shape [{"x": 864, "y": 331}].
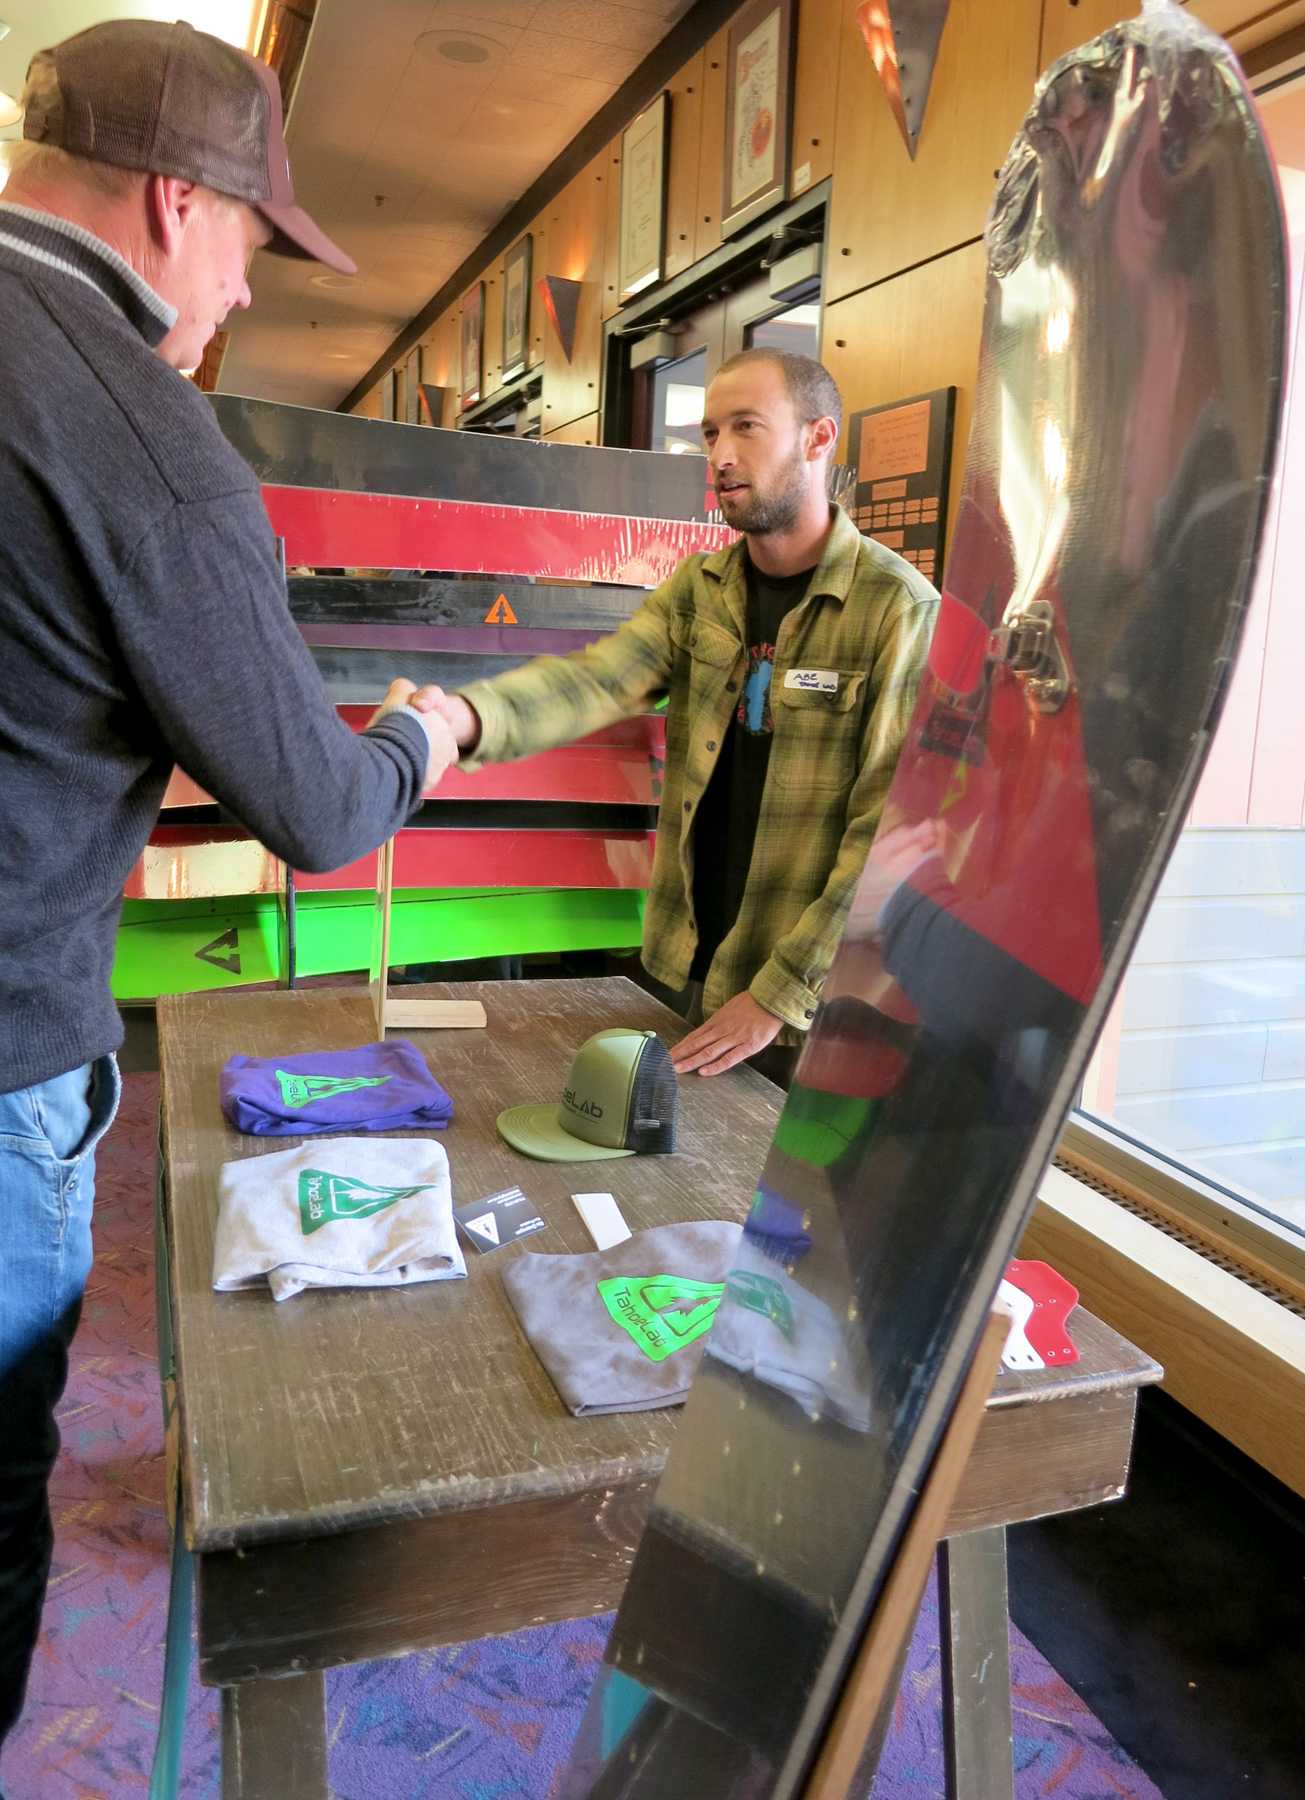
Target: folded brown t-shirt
[{"x": 621, "y": 1330}]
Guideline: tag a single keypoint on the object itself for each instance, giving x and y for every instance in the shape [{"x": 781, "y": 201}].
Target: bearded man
[{"x": 791, "y": 661}]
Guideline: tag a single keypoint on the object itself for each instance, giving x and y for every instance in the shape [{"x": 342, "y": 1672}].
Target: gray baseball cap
[{"x": 170, "y": 100}]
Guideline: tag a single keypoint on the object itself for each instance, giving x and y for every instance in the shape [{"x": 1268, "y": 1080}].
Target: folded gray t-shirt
[
  {"x": 622, "y": 1330},
  {"x": 770, "y": 1326}
]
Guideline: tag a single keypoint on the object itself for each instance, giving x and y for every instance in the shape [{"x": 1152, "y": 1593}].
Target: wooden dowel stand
[
  {"x": 850, "y": 1752},
  {"x": 416, "y": 1015}
]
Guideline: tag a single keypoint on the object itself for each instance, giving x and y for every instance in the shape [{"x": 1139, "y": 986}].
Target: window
[
  {"x": 1203, "y": 1056},
  {"x": 797, "y": 328},
  {"x": 679, "y": 389}
]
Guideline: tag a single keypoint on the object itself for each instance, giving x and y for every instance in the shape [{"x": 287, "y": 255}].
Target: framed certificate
[
  {"x": 516, "y": 308},
  {"x": 473, "y": 343},
  {"x": 643, "y": 198},
  {"x": 758, "y": 103}
]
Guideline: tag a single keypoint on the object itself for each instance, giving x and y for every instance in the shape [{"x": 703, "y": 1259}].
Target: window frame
[{"x": 1231, "y": 1221}]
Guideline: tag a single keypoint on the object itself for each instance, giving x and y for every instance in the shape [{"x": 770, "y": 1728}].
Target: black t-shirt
[{"x": 726, "y": 824}]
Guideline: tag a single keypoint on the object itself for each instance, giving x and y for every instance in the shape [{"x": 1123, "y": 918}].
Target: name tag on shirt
[{"x": 814, "y": 681}]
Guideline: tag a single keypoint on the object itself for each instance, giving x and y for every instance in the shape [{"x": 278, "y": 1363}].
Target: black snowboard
[{"x": 1124, "y": 436}]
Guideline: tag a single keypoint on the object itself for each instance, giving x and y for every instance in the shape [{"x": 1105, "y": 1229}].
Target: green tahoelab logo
[
  {"x": 762, "y": 1294},
  {"x": 662, "y": 1313},
  {"x": 302, "y": 1090},
  {"x": 324, "y": 1197}
]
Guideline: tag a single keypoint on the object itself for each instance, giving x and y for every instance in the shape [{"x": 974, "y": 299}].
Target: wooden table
[{"x": 371, "y": 1472}]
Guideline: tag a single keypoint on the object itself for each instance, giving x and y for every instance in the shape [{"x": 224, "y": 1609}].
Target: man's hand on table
[
  {"x": 462, "y": 718},
  {"x": 738, "y": 1030},
  {"x": 443, "y": 744}
]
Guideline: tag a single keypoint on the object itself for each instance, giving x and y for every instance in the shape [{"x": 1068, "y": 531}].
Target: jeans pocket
[
  {"x": 47, "y": 1198},
  {"x": 74, "y": 1111},
  {"x": 106, "y": 1097}
]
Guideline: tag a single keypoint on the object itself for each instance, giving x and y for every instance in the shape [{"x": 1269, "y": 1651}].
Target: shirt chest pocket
[
  {"x": 705, "y": 643},
  {"x": 818, "y": 732}
]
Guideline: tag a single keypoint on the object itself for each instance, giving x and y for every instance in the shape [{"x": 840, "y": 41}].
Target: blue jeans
[{"x": 48, "y": 1135}]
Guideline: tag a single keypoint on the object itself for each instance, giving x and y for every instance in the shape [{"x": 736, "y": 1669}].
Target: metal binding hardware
[{"x": 1027, "y": 644}]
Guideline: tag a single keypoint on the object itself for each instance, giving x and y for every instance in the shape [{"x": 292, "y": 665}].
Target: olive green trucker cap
[{"x": 620, "y": 1099}]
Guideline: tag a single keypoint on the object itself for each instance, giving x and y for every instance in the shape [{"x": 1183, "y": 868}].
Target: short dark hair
[{"x": 811, "y": 387}]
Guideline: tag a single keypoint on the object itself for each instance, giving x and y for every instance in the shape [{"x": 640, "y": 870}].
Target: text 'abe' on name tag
[
  {"x": 813, "y": 681},
  {"x": 499, "y": 1220}
]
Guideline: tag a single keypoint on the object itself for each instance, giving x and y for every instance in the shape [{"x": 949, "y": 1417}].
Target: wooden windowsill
[{"x": 1231, "y": 1355}]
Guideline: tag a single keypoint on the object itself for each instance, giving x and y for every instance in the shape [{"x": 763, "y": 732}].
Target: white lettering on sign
[{"x": 813, "y": 681}]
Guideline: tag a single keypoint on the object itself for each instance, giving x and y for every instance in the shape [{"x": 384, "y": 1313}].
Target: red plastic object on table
[{"x": 1053, "y": 1299}]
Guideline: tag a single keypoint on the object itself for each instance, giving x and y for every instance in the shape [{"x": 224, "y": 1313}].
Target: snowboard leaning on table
[{"x": 1124, "y": 434}]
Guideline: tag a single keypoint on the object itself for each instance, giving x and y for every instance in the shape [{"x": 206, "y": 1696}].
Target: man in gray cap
[{"x": 143, "y": 622}]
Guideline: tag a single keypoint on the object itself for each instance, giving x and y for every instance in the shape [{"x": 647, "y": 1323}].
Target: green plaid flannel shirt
[{"x": 867, "y": 616}]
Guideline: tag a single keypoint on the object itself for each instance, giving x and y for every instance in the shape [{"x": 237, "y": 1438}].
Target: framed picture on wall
[
  {"x": 473, "y": 343},
  {"x": 388, "y": 384},
  {"x": 643, "y": 198},
  {"x": 516, "y": 308},
  {"x": 758, "y": 107}
]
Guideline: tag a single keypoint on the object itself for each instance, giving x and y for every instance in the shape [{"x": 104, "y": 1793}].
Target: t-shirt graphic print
[{"x": 754, "y": 714}]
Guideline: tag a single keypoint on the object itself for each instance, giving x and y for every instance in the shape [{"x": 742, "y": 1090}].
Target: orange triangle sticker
[{"x": 500, "y": 613}]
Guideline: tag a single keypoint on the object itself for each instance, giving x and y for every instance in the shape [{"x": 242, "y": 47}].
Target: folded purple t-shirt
[{"x": 379, "y": 1087}]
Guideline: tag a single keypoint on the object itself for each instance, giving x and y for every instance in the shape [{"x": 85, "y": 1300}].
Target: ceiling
[{"x": 407, "y": 151}]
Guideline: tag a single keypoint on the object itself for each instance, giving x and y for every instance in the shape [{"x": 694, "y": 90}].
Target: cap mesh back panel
[
  {"x": 142, "y": 96},
  {"x": 214, "y": 122},
  {"x": 654, "y": 1102}
]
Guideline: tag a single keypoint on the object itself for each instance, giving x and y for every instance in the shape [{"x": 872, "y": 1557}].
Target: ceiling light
[
  {"x": 4, "y": 29},
  {"x": 467, "y": 49},
  {"x": 10, "y": 112}
]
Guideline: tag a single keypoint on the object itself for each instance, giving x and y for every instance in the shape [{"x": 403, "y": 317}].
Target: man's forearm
[{"x": 556, "y": 699}]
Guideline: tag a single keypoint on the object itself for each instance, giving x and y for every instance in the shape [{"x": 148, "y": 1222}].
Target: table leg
[
  {"x": 974, "y": 1627},
  {"x": 274, "y": 1739}
]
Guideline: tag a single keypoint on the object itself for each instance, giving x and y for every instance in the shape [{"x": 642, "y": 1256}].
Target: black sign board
[{"x": 902, "y": 455}]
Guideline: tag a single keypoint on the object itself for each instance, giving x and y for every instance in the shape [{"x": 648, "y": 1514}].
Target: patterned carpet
[{"x": 476, "y": 1722}]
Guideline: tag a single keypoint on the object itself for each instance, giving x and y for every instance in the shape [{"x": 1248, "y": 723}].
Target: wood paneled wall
[
  {"x": 820, "y": 49},
  {"x": 889, "y": 213},
  {"x": 904, "y": 258},
  {"x": 907, "y": 336},
  {"x": 440, "y": 362},
  {"x": 711, "y": 148},
  {"x": 577, "y": 231},
  {"x": 682, "y": 176},
  {"x": 579, "y": 431}
]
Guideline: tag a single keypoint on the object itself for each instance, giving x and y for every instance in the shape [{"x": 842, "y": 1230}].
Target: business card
[{"x": 499, "y": 1220}]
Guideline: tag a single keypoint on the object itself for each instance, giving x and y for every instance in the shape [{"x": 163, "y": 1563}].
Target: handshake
[{"x": 451, "y": 724}]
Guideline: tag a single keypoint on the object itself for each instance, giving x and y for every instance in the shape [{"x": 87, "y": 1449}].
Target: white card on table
[{"x": 603, "y": 1221}]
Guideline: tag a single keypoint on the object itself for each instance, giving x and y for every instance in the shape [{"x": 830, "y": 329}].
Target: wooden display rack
[{"x": 414, "y": 1015}]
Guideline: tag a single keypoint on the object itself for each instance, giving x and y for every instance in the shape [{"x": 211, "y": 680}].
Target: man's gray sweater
[{"x": 143, "y": 622}]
